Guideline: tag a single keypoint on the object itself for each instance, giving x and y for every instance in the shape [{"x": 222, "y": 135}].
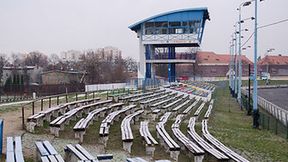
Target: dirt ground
[{"x": 12, "y": 125}]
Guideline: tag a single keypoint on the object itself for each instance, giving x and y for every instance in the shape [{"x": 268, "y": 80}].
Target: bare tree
[{"x": 36, "y": 58}]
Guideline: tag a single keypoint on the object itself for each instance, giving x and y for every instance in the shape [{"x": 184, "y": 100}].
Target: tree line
[{"x": 98, "y": 65}]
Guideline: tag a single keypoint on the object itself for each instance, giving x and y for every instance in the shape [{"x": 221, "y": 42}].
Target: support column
[
  {"x": 148, "y": 65},
  {"x": 171, "y": 66}
]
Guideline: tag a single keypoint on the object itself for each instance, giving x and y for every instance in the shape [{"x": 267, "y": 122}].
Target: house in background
[
  {"x": 57, "y": 77},
  {"x": 212, "y": 66},
  {"x": 275, "y": 65}
]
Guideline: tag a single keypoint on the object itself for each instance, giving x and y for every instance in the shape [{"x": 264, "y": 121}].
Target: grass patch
[{"x": 233, "y": 128}]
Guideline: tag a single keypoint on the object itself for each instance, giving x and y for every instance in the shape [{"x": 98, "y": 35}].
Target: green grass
[{"x": 233, "y": 128}]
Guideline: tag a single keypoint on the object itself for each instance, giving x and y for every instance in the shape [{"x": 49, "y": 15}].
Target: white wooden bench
[
  {"x": 14, "y": 150},
  {"x": 143, "y": 98},
  {"x": 149, "y": 140},
  {"x": 210, "y": 107},
  {"x": 189, "y": 108},
  {"x": 181, "y": 106},
  {"x": 81, "y": 126},
  {"x": 147, "y": 103},
  {"x": 126, "y": 99},
  {"x": 231, "y": 154},
  {"x": 136, "y": 159},
  {"x": 197, "y": 112},
  {"x": 162, "y": 103},
  {"x": 108, "y": 121},
  {"x": 202, "y": 143},
  {"x": 165, "y": 139},
  {"x": 46, "y": 152},
  {"x": 197, "y": 152},
  {"x": 45, "y": 115},
  {"x": 126, "y": 131},
  {"x": 60, "y": 122},
  {"x": 76, "y": 153}
]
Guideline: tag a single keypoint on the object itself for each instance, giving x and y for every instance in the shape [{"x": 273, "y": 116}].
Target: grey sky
[{"x": 52, "y": 26}]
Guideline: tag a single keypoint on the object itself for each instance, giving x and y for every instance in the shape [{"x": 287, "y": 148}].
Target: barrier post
[
  {"x": 33, "y": 107},
  {"x": 1, "y": 136},
  {"x": 66, "y": 97},
  {"x": 23, "y": 116},
  {"x": 41, "y": 104},
  {"x": 49, "y": 102},
  {"x": 57, "y": 100},
  {"x": 76, "y": 96}
]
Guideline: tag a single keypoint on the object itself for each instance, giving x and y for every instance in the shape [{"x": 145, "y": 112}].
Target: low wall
[{"x": 97, "y": 87}]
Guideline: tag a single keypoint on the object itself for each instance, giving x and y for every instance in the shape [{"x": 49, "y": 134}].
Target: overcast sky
[{"x": 52, "y": 26}]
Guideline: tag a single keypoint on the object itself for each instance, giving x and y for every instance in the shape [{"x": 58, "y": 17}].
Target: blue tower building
[{"x": 162, "y": 35}]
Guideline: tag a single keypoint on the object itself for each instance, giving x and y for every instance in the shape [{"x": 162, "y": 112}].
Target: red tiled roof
[
  {"x": 274, "y": 60},
  {"x": 213, "y": 58}
]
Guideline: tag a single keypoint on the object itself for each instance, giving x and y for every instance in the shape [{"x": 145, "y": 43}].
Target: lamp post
[
  {"x": 255, "y": 82},
  {"x": 239, "y": 50}
]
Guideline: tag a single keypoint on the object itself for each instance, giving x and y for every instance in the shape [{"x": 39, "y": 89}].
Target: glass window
[
  {"x": 174, "y": 23},
  {"x": 184, "y": 23},
  {"x": 161, "y": 24},
  {"x": 179, "y": 31},
  {"x": 149, "y": 31},
  {"x": 163, "y": 31},
  {"x": 149, "y": 24}
]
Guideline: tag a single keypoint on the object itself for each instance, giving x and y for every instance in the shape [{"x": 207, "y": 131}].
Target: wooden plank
[
  {"x": 50, "y": 148},
  {"x": 42, "y": 150}
]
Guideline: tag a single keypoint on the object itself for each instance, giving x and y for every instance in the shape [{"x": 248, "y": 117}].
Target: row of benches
[
  {"x": 81, "y": 126},
  {"x": 14, "y": 150},
  {"x": 105, "y": 124},
  {"x": 231, "y": 154},
  {"x": 46, "y": 115},
  {"x": 165, "y": 139},
  {"x": 59, "y": 123},
  {"x": 186, "y": 142},
  {"x": 45, "y": 152},
  {"x": 126, "y": 131},
  {"x": 202, "y": 143},
  {"x": 127, "y": 98}
]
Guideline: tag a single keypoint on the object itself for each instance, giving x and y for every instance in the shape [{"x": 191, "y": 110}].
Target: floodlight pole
[
  {"x": 239, "y": 60},
  {"x": 235, "y": 64},
  {"x": 255, "y": 95}
]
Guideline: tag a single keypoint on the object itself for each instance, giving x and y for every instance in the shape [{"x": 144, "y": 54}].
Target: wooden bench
[
  {"x": 136, "y": 159},
  {"x": 202, "y": 143},
  {"x": 197, "y": 152},
  {"x": 181, "y": 106},
  {"x": 81, "y": 126},
  {"x": 189, "y": 108},
  {"x": 143, "y": 98},
  {"x": 150, "y": 142},
  {"x": 59, "y": 123},
  {"x": 126, "y": 131},
  {"x": 76, "y": 153},
  {"x": 45, "y": 115},
  {"x": 231, "y": 154},
  {"x": 126, "y": 99},
  {"x": 147, "y": 103},
  {"x": 197, "y": 112},
  {"x": 14, "y": 150},
  {"x": 210, "y": 107},
  {"x": 45, "y": 152},
  {"x": 165, "y": 139},
  {"x": 108, "y": 121},
  {"x": 160, "y": 104}
]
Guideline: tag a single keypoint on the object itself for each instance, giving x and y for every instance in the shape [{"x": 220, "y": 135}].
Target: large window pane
[{"x": 174, "y": 23}]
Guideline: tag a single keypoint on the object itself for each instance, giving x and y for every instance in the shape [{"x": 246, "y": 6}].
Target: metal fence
[{"x": 272, "y": 124}]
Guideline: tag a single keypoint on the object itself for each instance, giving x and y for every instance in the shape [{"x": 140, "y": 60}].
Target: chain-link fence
[
  {"x": 267, "y": 121},
  {"x": 272, "y": 124}
]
